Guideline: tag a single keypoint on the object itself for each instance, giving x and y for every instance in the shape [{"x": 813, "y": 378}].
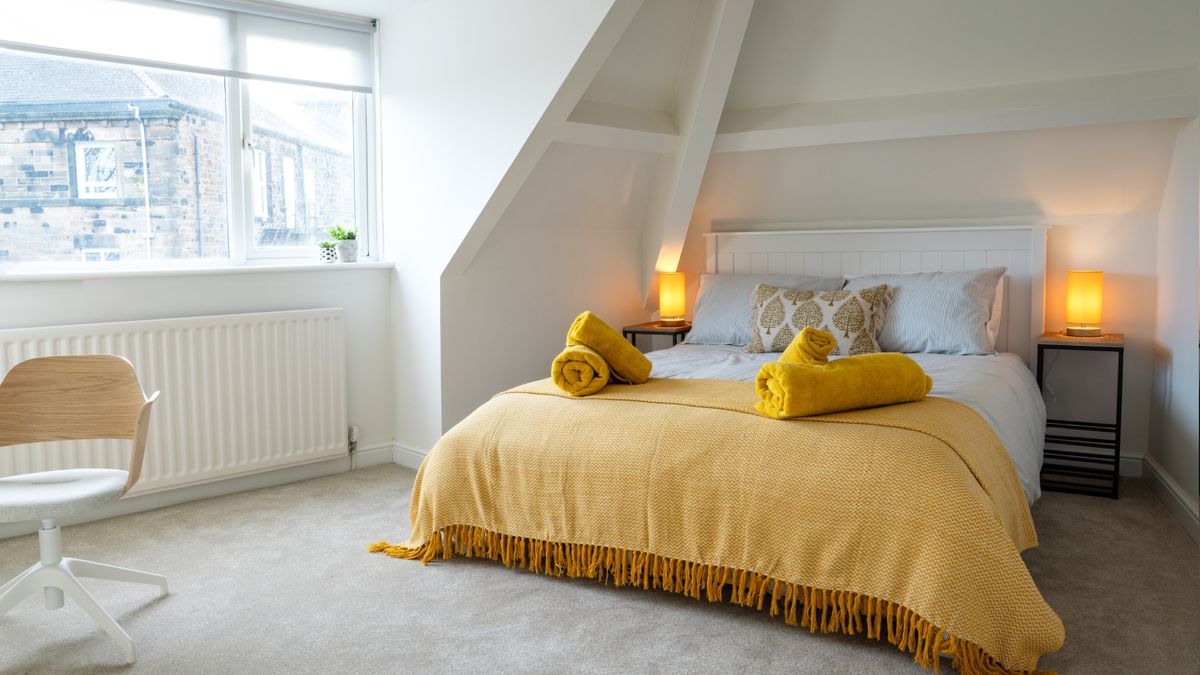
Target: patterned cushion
[
  {"x": 778, "y": 314},
  {"x": 722, "y": 316}
]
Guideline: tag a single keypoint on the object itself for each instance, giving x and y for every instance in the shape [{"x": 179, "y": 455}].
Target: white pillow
[
  {"x": 937, "y": 312},
  {"x": 722, "y": 313}
]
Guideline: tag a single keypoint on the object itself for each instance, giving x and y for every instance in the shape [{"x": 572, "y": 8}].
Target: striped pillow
[{"x": 936, "y": 312}]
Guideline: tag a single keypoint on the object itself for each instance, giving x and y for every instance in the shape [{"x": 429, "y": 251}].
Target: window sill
[{"x": 19, "y": 273}]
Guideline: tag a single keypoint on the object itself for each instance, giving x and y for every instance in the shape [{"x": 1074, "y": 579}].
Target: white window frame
[
  {"x": 88, "y": 189},
  {"x": 242, "y": 201}
]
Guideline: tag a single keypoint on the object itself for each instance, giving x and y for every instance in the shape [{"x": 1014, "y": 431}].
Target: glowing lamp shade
[
  {"x": 1085, "y": 290},
  {"x": 672, "y": 300}
]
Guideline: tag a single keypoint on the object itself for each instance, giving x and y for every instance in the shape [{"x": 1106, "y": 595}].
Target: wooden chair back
[{"x": 74, "y": 398}]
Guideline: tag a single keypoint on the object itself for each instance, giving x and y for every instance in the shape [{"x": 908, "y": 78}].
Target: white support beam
[
  {"x": 1107, "y": 99},
  {"x": 617, "y": 138},
  {"x": 707, "y": 73},
  {"x": 568, "y": 96}
]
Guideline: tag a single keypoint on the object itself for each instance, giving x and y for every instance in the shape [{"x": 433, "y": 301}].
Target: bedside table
[
  {"x": 1083, "y": 456},
  {"x": 677, "y": 333}
]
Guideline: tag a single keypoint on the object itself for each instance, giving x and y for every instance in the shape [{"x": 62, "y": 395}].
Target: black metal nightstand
[
  {"x": 1083, "y": 456},
  {"x": 677, "y": 333}
]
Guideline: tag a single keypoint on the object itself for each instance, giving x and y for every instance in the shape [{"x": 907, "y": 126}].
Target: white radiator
[{"x": 241, "y": 393}]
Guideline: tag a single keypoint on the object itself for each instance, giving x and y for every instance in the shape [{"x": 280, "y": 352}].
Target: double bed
[{"x": 904, "y": 523}]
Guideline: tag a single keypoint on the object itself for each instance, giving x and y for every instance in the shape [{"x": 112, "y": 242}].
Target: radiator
[{"x": 241, "y": 393}]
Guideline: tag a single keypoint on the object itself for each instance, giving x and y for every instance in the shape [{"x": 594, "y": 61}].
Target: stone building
[{"x": 80, "y": 160}]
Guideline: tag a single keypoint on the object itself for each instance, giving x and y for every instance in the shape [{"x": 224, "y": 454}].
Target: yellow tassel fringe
[{"x": 817, "y": 609}]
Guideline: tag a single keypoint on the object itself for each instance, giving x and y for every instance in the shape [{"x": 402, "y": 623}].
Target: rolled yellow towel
[
  {"x": 579, "y": 371},
  {"x": 791, "y": 389},
  {"x": 812, "y": 345},
  {"x": 626, "y": 362}
]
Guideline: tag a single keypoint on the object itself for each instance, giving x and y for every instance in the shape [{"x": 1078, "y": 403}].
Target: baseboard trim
[
  {"x": 367, "y": 456},
  {"x": 408, "y": 456},
  {"x": 1181, "y": 505},
  {"x": 1131, "y": 467},
  {"x": 373, "y": 455}
]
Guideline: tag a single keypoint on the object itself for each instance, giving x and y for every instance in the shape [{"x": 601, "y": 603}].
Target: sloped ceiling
[
  {"x": 821, "y": 50},
  {"x": 645, "y": 68}
]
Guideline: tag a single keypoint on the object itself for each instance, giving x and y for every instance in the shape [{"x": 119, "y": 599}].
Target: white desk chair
[{"x": 70, "y": 398}]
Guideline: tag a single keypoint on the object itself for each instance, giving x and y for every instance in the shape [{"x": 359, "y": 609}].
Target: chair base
[{"x": 55, "y": 576}]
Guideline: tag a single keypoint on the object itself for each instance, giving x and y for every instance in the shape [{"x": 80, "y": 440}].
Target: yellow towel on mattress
[
  {"x": 626, "y": 362},
  {"x": 810, "y": 346},
  {"x": 579, "y": 371},
  {"x": 790, "y": 389}
]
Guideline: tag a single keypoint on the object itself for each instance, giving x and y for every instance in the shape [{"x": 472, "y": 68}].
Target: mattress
[{"x": 999, "y": 387}]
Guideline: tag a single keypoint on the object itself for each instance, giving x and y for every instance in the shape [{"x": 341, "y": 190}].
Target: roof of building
[
  {"x": 30, "y": 79},
  {"x": 25, "y": 77}
]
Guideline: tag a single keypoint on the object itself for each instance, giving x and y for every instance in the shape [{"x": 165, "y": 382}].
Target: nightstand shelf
[
  {"x": 1083, "y": 456},
  {"x": 677, "y": 333}
]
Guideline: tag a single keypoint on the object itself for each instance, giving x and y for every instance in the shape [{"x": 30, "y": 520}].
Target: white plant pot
[
  {"x": 327, "y": 255},
  {"x": 347, "y": 251}
]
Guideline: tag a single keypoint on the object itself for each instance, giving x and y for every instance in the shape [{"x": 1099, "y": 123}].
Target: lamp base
[
  {"x": 1082, "y": 331},
  {"x": 672, "y": 322}
]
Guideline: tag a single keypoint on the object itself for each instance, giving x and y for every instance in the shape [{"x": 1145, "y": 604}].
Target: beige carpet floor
[{"x": 279, "y": 581}]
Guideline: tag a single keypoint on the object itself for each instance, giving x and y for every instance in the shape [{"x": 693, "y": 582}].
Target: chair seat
[{"x": 56, "y": 494}]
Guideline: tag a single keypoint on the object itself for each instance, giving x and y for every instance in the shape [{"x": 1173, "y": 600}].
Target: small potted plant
[
  {"x": 328, "y": 253},
  {"x": 346, "y": 242}
]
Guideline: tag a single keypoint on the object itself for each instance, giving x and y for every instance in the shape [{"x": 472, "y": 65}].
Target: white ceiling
[
  {"x": 643, "y": 71},
  {"x": 819, "y": 50}
]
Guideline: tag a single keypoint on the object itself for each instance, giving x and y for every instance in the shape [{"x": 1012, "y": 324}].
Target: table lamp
[
  {"x": 1085, "y": 289},
  {"x": 672, "y": 299}
]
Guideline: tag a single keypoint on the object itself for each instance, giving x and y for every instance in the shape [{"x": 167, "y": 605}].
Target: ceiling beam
[{"x": 704, "y": 86}]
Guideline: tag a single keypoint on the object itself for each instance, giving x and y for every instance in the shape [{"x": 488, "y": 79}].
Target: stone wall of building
[{"x": 45, "y": 215}]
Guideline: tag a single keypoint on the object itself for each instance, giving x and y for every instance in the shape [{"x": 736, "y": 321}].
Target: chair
[{"x": 70, "y": 398}]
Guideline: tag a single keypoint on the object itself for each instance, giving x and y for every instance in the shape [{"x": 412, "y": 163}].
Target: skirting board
[
  {"x": 1181, "y": 505},
  {"x": 409, "y": 457},
  {"x": 364, "y": 457},
  {"x": 1131, "y": 467}
]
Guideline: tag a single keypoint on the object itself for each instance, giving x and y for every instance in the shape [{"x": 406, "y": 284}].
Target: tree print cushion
[{"x": 779, "y": 314}]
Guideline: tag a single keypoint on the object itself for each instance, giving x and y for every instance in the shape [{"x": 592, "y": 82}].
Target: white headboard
[{"x": 833, "y": 253}]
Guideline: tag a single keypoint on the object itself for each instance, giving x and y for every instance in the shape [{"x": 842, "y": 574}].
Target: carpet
[{"x": 279, "y": 581}]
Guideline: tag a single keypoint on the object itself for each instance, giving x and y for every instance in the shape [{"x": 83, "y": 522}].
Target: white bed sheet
[{"x": 999, "y": 387}]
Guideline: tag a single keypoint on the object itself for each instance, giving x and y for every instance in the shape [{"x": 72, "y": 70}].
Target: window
[
  {"x": 308, "y": 132},
  {"x": 96, "y": 169},
  {"x": 223, "y": 140},
  {"x": 261, "y": 181}
]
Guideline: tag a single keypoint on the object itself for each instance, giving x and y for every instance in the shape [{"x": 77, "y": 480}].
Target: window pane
[
  {"x": 85, "y": 145},
  {"x": 303, "y": 141}
]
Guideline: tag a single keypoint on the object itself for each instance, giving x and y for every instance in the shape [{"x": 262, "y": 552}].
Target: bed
[{"x": 903, "y": 523}]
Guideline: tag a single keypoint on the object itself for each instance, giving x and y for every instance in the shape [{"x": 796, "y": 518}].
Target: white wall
[
  {"x": 1100, "y": 185},
  {"x": 463, "y": 84},
  {"x": 570, "y": 241},
  {"x": 362, "y": 293},
  {"x": 822, "y": 50},
  {"x": 1174, "y": 457}
]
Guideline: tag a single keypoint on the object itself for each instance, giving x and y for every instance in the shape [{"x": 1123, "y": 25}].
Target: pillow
[
  {"x": 937, "y": 312},
  {"x": 722, "y": 316},
  {"x": 993, "y": 324},
  {"x": 777, "y": 315}
]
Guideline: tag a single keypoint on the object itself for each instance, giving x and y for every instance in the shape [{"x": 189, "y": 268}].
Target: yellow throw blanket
[
  {"x": 627, "y": 363},
  {"x": 579, "y": 371},
  {"x": 902, "y": 523},
  {"x": 789, "y": 389},
  {"x": 810, "y": 346}
]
